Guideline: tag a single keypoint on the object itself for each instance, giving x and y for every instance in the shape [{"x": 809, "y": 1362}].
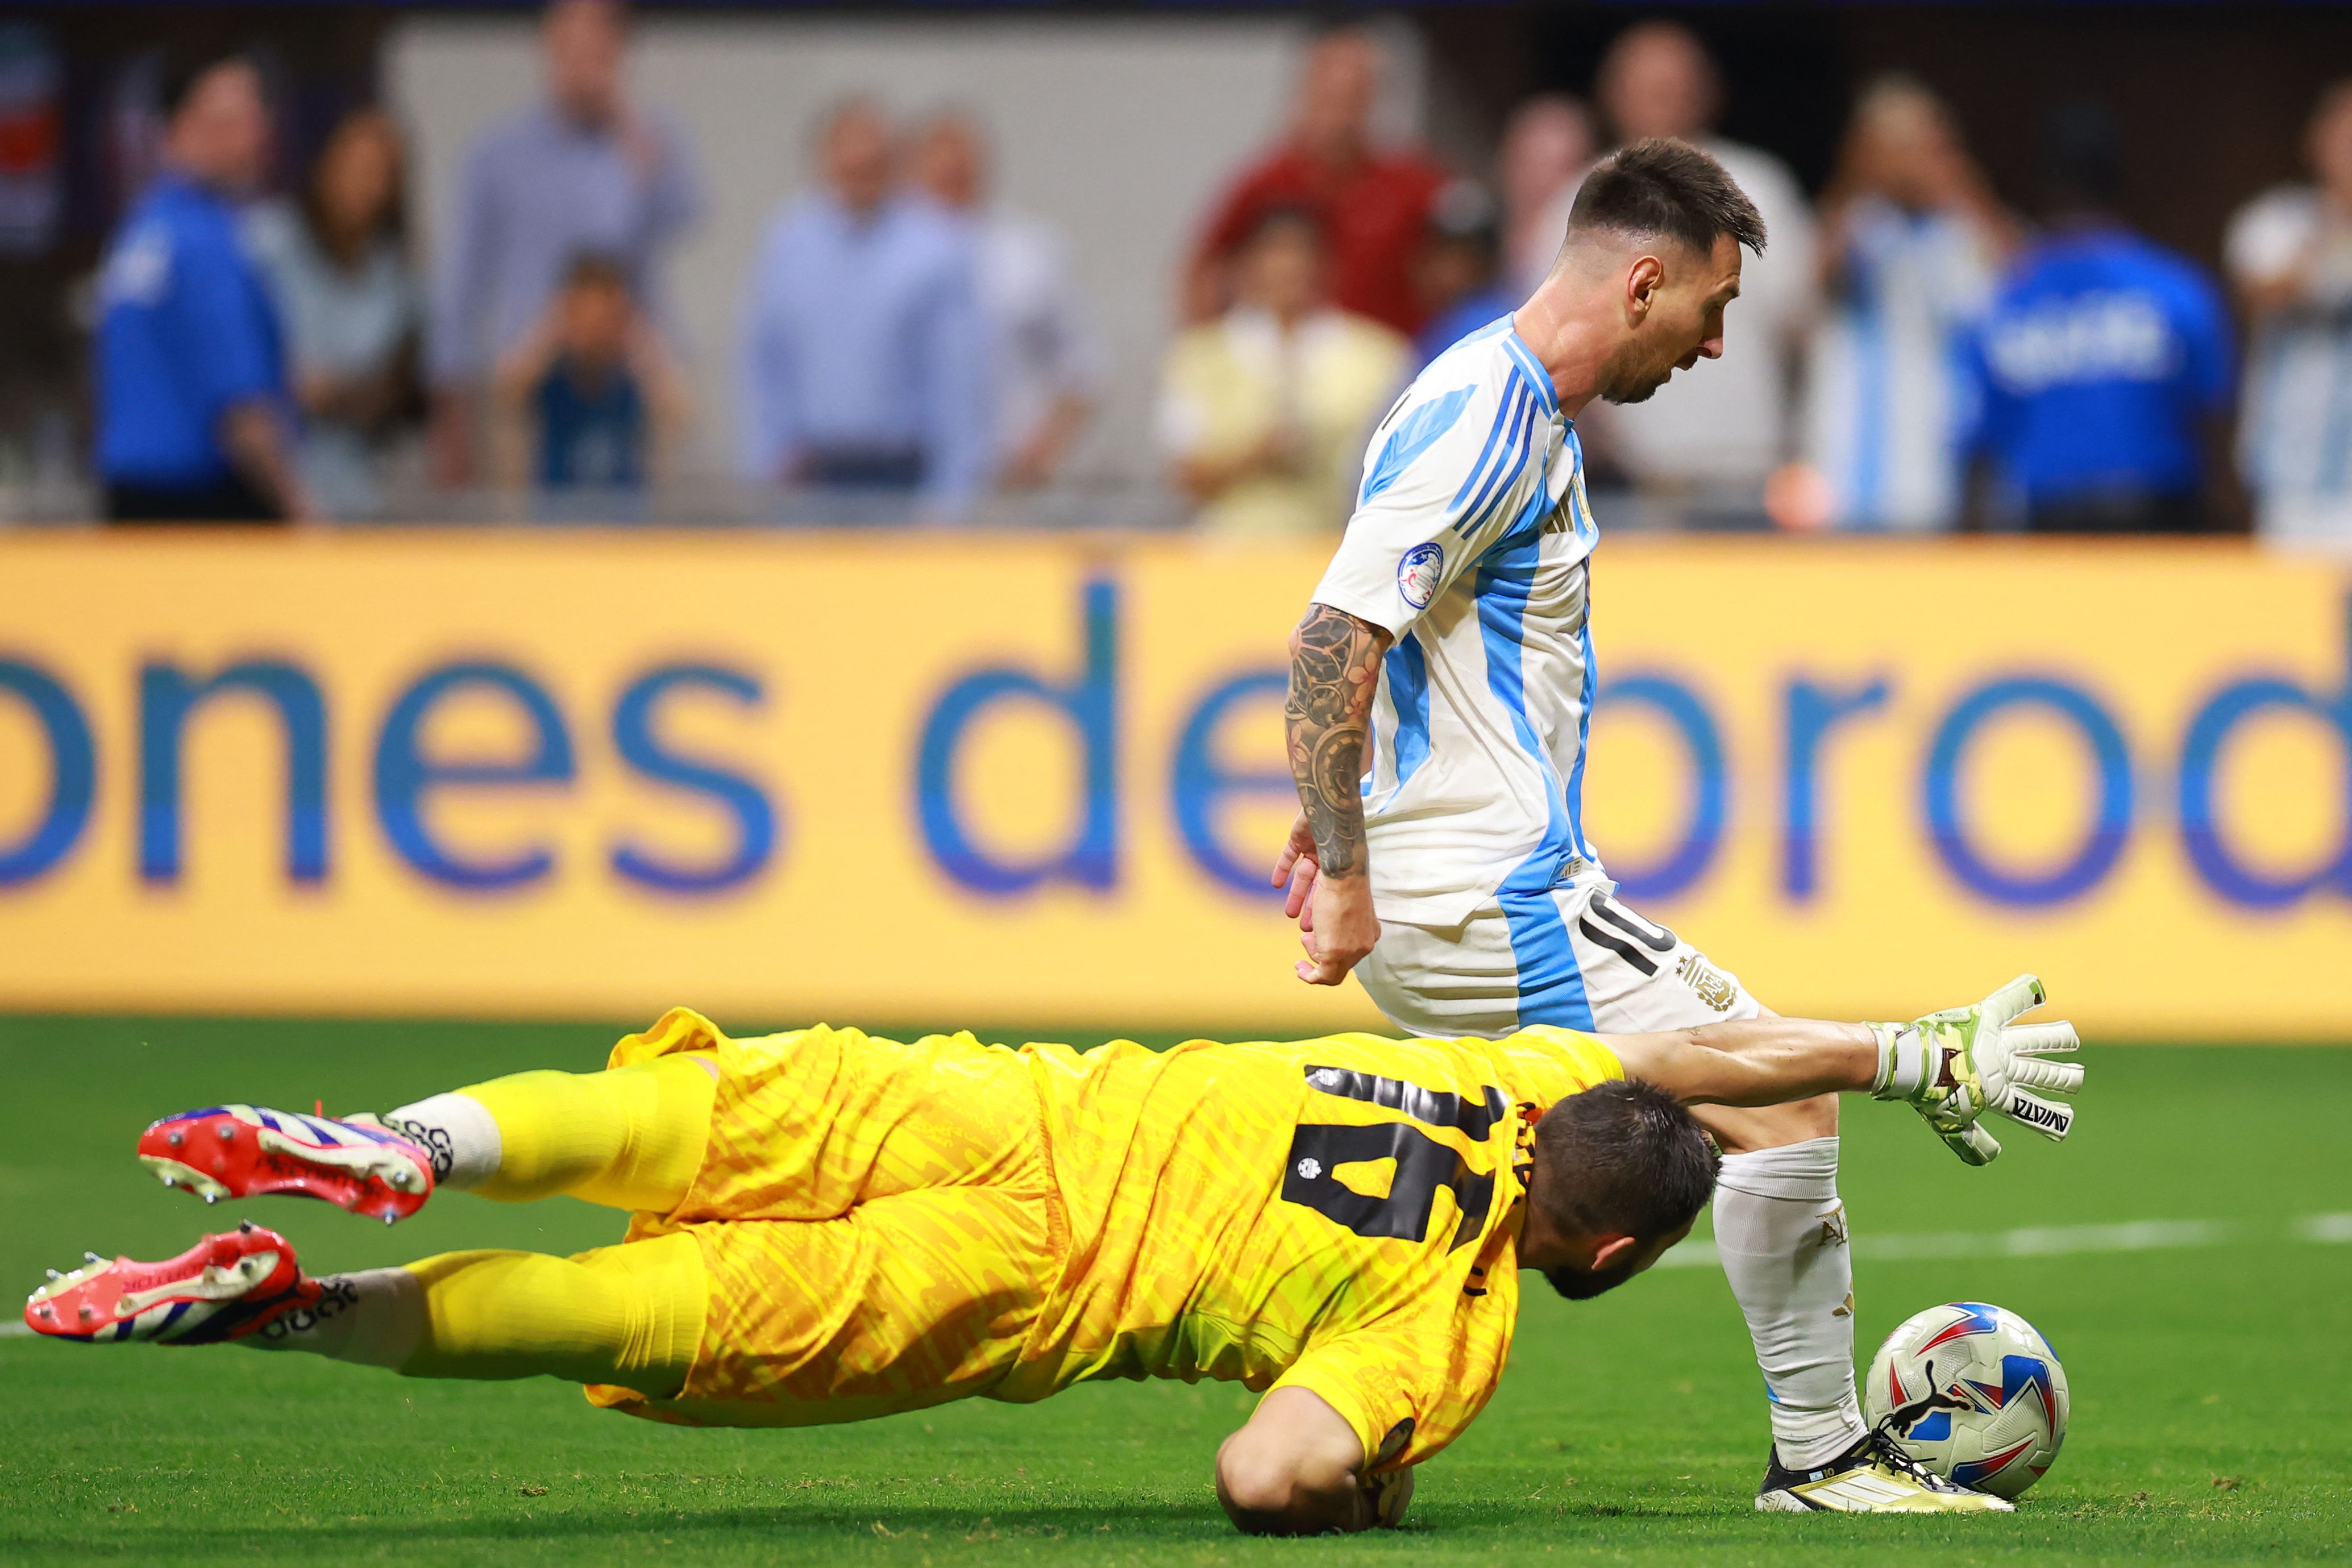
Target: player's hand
[
  {"x": 1337, "y": 927},
  {"x": 1296, "y": 866},
  {"x": 1957, "y": 1064}
]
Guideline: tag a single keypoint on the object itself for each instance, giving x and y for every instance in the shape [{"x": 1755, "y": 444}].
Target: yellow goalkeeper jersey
[
  {"x": 883, "y": 1226},
  {"x": 1338, "y": 1214}
]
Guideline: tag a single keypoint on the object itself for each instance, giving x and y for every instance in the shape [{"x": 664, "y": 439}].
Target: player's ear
[
  {"x": 1643, "y": 281},
  {"x": 1612, "y": 1247}
]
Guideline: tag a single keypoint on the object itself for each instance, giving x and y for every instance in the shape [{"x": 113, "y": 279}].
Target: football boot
[
  {"x": 224, "y": 1287},
  {"x": 1874, "y": 1476},
  {"x": 244, "y": 1151}
]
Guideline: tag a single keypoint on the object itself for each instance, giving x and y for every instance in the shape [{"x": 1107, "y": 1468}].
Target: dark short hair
[
  {"x": 1665, "y": 187},
  {"x": 1623, "y": 1156},
  {"x": 186, "y": 69}
]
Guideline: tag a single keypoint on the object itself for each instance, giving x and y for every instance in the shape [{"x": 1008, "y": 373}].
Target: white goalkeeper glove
[{"x": 1957, "y": 1064}]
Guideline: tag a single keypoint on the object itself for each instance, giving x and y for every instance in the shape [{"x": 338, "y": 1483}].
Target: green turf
[{"x": 2210, "y": 1384}]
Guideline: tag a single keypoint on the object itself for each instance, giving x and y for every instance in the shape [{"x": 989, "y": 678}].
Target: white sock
[
  {"x": 1780, "y": 1232},
  {"x": 457, "y": 1131},
  {"x": 374, "y": 1317}
]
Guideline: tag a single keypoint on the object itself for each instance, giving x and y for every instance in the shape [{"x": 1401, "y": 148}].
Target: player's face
[
  {"x": 1684, "y": 325},
  {"x": 1580, "y": 1284}
]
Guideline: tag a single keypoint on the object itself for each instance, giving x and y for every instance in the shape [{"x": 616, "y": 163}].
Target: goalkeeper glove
[
  {"x": 1957, "y": 1064},
  {"x": 1388, "y": 1493}
]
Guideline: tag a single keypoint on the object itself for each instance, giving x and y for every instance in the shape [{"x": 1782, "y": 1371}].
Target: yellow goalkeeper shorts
[{"x": 879, "y": 1225}]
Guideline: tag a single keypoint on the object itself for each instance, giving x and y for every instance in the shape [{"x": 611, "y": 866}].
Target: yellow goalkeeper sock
[
  {"x": 630, "y": 1315},
  {"x": 630, "y": 1138}
]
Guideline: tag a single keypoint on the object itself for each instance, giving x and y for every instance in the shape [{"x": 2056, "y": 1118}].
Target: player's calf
[
  {"x": 245, "y": 1151},
  {"x": 225, "y": 1287}
]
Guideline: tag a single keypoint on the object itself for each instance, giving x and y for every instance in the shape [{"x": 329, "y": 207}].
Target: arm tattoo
[{"x": 1335, "y": 667}]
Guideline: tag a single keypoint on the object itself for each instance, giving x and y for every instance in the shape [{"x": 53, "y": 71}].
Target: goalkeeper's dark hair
[
  {"x": 1624, "y": 1156},
  {"x": 1660, "y": 188}
]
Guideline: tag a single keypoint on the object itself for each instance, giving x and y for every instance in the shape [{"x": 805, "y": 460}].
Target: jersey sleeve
[
  {"x": 1440, "y": 479},
  {"x": 1547, "y": 1065},
  {"x": 219, "y": 345},
  {"x": 1385, "y": 1384},
  {"x": 2209, "y": 361}
]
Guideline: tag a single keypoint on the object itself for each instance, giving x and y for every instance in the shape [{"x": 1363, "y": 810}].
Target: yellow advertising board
[{"x": 1034, "y": 781}]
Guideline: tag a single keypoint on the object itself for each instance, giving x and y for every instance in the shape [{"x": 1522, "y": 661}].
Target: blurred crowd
[
  {"x": 898, "y": 336},
  {"x": 1910, "y": 353}
]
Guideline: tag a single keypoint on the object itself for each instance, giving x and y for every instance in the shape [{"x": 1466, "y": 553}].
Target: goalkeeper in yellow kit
[{"x": 828, "y": 1226}]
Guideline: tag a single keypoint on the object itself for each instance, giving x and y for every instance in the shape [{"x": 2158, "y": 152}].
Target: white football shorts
[{"x": 1570, "y": 955}]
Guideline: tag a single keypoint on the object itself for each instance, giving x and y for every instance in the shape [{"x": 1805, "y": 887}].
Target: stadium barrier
[{"x": 941, "y": 777}]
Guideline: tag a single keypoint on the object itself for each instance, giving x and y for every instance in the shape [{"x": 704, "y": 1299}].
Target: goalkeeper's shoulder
[{"x": 1545, "y": 1062}]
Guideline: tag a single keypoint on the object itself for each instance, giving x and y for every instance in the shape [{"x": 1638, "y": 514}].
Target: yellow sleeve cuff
[{"x": 1341, "y": 1394}]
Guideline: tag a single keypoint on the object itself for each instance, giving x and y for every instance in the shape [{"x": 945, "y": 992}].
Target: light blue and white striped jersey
[
  {"x": 1881, "y": 417},
  {"x": 2294, "y": 438},
  {"x": 1470, "y": 545}
]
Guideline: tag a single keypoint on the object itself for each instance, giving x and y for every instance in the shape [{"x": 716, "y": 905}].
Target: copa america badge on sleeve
[{"x": 1418, "y": 572}]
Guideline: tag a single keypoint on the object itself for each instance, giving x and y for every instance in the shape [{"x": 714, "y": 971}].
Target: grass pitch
[{"x": 2199, "y": 1296}]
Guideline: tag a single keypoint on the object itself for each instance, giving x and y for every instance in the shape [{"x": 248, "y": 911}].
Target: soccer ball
[{"x": 1974, "y": 1393}]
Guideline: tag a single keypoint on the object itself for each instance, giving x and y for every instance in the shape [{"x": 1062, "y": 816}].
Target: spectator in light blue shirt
[
  {"x": 1913, "y": 240},
  {"x": 864, "y": 360},
  {"x": 337, "y": 263},
  {"x": 2101, "y": 373},
  {"x": 584, "y": 173},
  {"x": 2289, "y": 253},
  {"x": 195, "y": 423}
]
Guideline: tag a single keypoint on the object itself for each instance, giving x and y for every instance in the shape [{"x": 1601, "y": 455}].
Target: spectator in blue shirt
[
  {"x": 592, "y": 394},
  {"x": 864, "y": 360},
  {"x": 2101, "y": 374},
  {"x": 193, "y": 421},
  {"x": 584, "y": 173}
]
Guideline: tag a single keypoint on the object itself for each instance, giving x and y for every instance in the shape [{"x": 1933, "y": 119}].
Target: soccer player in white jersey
[{"x": 1441, "y": 695}]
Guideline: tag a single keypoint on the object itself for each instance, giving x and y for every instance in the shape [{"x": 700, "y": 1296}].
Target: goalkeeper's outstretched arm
[
  {"x": 1953, "y": 1066},
  {"x": 1752, "y": 1061}
]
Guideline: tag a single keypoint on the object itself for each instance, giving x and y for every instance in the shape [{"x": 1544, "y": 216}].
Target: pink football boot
[
  {"x": 244, "y": 1151},
  {"x": 224, "y": 1287}
]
